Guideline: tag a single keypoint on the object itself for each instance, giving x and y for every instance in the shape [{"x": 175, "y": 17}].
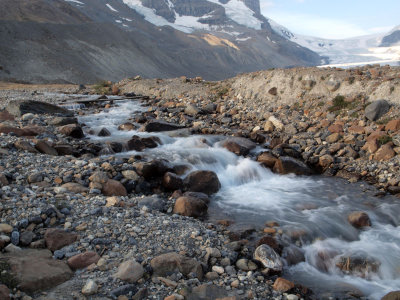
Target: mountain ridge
[{"x": 98, "y": 39}]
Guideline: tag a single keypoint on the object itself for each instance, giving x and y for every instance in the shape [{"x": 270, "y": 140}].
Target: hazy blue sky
[{"x": 334, "y": 18}]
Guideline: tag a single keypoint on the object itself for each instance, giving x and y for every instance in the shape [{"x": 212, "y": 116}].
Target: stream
[{"x": 312, "y": 209}]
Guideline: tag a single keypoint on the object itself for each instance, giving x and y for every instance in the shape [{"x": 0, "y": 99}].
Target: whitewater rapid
[{"x": 316, "y": 206}]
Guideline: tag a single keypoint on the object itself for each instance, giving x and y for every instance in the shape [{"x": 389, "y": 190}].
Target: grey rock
[
  {"x": 15, "y": 238},
  {"x": 376, "y": 109},
  {"x": 19, "y": 108},
  {"x": 268, "y": 257}
]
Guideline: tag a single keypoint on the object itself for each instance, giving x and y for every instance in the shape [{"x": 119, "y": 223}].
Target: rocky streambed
[{"x": 112, "y": 202}]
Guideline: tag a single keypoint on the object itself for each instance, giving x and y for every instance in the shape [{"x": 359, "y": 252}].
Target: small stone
[
  {"x": 5, "y": 228},
  {"x": 218, "y": 269},
  {"x": 283, "y": 285},
  {"x": 130, "y": 271},
  {"x": 15, "y": 238},
  {"x": 90, "y": 288},
  {"x": 235, "y": 283},
  {"x": 246, "y": 265},
  {"x": 113, "y": 201},
  {"x": 212, "y": 275}
]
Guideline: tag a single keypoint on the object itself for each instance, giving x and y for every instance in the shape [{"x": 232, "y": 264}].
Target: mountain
[
  {"x": 392, "y": 38},
  {"x": 377, "y": 48},
  {"x": 88, "y": 40}
]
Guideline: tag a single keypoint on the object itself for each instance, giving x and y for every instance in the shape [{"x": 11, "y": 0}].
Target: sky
[{"x": 334, "y": 19}]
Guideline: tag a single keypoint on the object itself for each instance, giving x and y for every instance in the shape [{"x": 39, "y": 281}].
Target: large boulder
[
  {"x": 376, "y": 109},
  {"x": 288, "y": 165},
  {"x": 19, "y": 108},
  {"x": 36, "y": 270},
  {"x": 165, "y": 264},
  {"x": 239, "y": 146},
  {"x": 268, "y": 258},
  {"x": 158, "y": 126},
  {"x": 206, "y": 182},
  {"x": 190, "y": 207}
]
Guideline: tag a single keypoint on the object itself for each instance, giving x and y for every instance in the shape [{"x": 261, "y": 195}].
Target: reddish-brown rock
[
  {"x": 83, "y": 260},
  {"x": 335, "y": 128},
  {"x": 371, "y": 146},
  {"x": 202, "y": 181},
  {"x": 114, "y": 188},
  {"x": 72, "y": 130},
  {"x": 282, "y": 285},
  {"x": 26, "y": 131},
  {"x": 288, "y": 165},
  {"x": 57, "y": 238},
  {"x": 6, "y": 116},
  {"x": 44, "y": 147},
  {"x": 239, "y": 146},
  {"x": 393, "y": 125},
  {"x": 357, "y": 129},
  {"x": 190, "y": 207},
  {"x": 267, "y": 160},
  {"x": 36, "y": 270},
  {"x": 359, "y": 219},
  {"x": 385, "y": 152},
  {"x": 4, "y": 292},
  {"x": 172, "y": 181},
  {"x": 326, "y": 160}
]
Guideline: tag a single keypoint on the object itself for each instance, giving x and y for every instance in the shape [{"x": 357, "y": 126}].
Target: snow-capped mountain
[
  {"x": 377, "y": 48},
  {"x": 88, "y": 40}
]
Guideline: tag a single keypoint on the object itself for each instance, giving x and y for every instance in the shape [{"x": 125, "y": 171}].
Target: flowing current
[{"x": 315, "y": 209}]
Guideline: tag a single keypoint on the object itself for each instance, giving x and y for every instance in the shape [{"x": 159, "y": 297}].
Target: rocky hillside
[
  {"x": 281, "y": 87},
  {"x": 86, "y": 41}
]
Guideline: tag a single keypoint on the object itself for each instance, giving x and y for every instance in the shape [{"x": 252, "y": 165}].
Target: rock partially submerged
[
  {"x": 239, "y": 146},
  {"x": 159, "y": 126},
  {"x": 206, "y": 182}
]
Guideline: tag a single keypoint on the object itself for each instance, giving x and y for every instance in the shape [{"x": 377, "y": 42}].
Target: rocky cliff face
[{"x": 89, "y": 40}]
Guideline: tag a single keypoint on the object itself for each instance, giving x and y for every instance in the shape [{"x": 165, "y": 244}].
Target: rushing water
[{"x": 316, "y": 207}]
